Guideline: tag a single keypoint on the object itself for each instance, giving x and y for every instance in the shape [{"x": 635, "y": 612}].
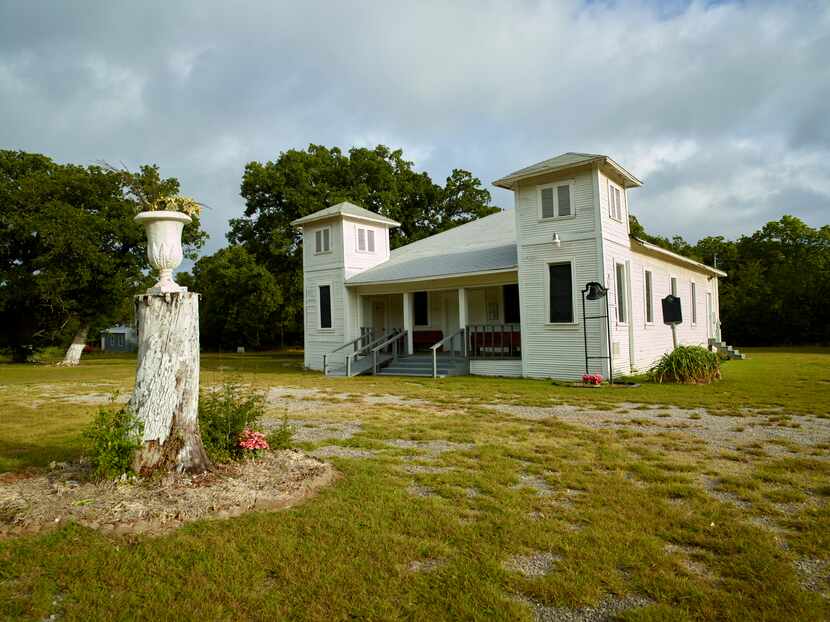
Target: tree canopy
[
  {"x": 239, "y": 299},
  {"x": 70, "y": 253},
  {"x": 778, "y": 282},
  {"x": 301, "y": 182}
]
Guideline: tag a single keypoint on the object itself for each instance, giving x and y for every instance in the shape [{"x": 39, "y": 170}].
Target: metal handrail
[
  {"x": 369, "y": 331},
  {"x": 394, "y": 339},
  {"x": 363, "y": 350},
  {"x": 451, "y": 339}
]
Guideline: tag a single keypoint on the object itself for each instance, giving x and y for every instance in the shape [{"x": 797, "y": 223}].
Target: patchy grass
[{"x": 443, "y": 495}]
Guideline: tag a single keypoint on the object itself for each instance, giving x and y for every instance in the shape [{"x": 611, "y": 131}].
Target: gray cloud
[{"x": 720, "y": 108}]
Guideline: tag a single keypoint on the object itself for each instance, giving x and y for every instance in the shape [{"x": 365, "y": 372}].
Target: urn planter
[{"x": 164, "y": 246}]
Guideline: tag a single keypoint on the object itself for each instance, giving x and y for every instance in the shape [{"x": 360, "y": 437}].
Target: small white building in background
[
  {"x": 502, "y": 295},
  {"x": 119, "y": 338}
]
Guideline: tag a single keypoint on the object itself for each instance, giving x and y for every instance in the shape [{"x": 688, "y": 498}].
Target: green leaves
[
  {"x": 239, "y": 299},
  {"x": 300, "y": 183},
  {"x": 69, "y": 249}
]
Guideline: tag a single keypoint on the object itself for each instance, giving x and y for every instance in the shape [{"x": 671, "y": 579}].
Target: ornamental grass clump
[
  {"x": 226, "y": 415},
  {"x": 687, "y": 365}
]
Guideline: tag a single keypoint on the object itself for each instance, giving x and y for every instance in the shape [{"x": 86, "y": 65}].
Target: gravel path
[
  {"x": 604, "y": 611},
  {"x": 719, "y": 432},
  {"x": 535, "y": 565}
]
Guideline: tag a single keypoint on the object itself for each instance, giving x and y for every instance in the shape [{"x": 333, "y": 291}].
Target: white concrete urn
[{"x": 164, "y": 246}]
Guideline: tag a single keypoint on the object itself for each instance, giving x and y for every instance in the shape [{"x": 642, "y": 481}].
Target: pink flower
[
  {"x": 252, "y": 440},
  {"x": 592, "y": 379}
]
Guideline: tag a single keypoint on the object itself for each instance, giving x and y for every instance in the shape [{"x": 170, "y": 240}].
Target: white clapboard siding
[
  {"x": 320, "y": 341},
  {"x": 557, "y": 351},
  {"x": 655, "y": 339},
  {"x": 505, "y": 368},
  {"x": 620, "y": 331}
]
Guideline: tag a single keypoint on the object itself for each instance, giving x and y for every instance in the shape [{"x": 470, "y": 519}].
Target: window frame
[
  {"x": 620, "y": 215},
  {"x": 322, "y": 238},
  {"x": 368, "y": 236},
  {"x": 574, "y": 322},
  {"x": 693, "y": 301},
  {"x": 648, "y": 284},
  {"x": 429, "y": 310},
  {"x": 554, "y": 187},
  {"x": 320, "y": 326},
  {"x": 621, "y": 300}
]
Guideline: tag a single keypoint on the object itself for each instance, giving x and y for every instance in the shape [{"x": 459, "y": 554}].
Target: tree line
[
  {"x": 71, "y": 256},
  {"x": 778, "y": 281}
]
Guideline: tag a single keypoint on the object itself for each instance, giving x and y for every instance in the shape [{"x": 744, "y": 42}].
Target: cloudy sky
[{"x": 721, "y": 108}]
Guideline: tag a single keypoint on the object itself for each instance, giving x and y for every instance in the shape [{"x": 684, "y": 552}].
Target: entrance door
[
  {"x": 450, "y": 315},
  {"x": 378, "y": 316}
]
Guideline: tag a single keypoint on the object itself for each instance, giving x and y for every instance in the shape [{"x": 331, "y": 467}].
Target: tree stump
[{"x": 166, "y": 396}]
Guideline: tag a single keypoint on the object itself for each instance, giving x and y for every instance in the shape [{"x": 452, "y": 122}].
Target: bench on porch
[{"x": 502, "y": 341}]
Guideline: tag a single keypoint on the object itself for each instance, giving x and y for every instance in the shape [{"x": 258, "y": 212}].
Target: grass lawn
[{"x": 464, "y": 498}]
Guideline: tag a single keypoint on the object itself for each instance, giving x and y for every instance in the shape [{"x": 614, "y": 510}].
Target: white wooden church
[{"x": 503, "y": 295}]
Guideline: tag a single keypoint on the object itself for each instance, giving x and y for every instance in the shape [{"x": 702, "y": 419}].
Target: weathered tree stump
[{"x": 166, "y": 396}]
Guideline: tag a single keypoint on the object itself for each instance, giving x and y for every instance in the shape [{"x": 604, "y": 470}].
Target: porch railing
[
  {"x": 397, "y": 342},
  {"x": 494, "y": 341},
  {"x": 366, "y": 335},
  {"x": 367, "y": 349},
  {"x": 449, "y": 344}
]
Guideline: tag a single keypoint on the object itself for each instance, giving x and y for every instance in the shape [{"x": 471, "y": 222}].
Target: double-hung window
[
  {"x": 649, "y": 279},
  {"x": 322, "y": 241},
  {"x": 560, "y": 294},
  {"x": 615, "y": 198},
  {"x": 556, "y": 200},
  {"x": 365, "y": 240},
  {"x": 622, "y": 310}
]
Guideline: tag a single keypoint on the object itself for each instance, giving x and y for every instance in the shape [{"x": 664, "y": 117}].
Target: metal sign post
[
  {"x": 596, "y": 291},
  {"x": 672, "y": 315}
]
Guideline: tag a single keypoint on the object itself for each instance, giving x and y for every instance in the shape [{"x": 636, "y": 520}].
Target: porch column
[
  {"x": 462, "y": 307},
  {"x": 408, "y": 320}
]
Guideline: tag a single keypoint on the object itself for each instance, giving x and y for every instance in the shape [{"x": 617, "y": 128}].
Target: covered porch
[{"x": 437, "y": 327}]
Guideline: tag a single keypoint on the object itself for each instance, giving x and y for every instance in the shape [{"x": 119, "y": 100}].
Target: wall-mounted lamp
[{"x": 556, "y": 241}]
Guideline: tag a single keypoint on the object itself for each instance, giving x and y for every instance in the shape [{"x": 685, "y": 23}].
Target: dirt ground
[{"x": 35, "y": 502}]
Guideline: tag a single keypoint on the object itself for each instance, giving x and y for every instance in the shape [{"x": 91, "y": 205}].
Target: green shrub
[
  {"x": 687, "y": 365},
  {"x": 223, "y": 416},
  {"x": 113, "y": 436},
  {"x": 280, "y": 438}
]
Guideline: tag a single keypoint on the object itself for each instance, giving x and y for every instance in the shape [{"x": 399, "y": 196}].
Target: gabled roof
[
  {"x": 648, "y": 248},
  {"x": 345, "y": 209},
  {"x": 484, "y": 245},
  {"x": 564, "y": 162}
]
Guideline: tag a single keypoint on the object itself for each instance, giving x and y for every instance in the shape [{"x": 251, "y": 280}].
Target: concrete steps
[
  {"x": 421, "y": 365},
  {"x": 726, "y": 351}
]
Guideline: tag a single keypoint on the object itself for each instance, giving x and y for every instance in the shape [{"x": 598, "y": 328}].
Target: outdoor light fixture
[
  {"x": 597, "y": 291},
  {"x": 556, "y": 241}
]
